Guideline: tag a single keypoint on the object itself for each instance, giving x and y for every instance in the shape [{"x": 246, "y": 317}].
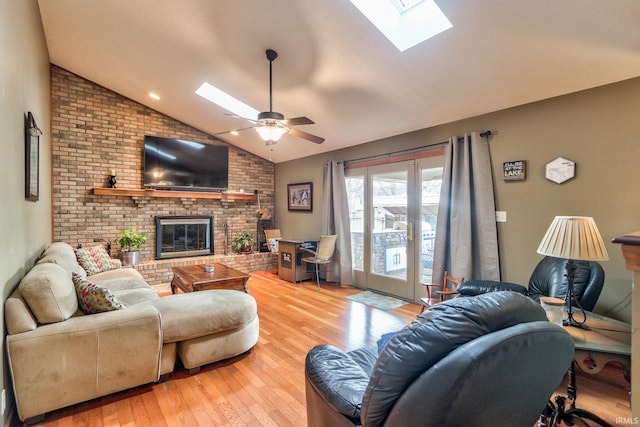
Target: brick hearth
[{"x": 158, "y": 272}]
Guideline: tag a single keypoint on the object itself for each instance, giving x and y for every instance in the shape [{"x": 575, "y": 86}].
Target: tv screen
[{"x": 182, "y": 165}]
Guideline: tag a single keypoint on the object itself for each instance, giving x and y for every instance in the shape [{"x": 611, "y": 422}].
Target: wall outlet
[{"x": 501, "y": 216}]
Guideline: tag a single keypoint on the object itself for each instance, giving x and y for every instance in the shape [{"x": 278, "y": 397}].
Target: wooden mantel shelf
[{"x": 126, "y": 192}]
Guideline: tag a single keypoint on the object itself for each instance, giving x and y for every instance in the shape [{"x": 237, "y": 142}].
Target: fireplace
[{"x": 184, "y": 236}]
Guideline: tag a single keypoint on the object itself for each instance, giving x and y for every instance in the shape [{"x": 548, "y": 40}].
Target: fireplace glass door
[{"x": 184, "y": 236}]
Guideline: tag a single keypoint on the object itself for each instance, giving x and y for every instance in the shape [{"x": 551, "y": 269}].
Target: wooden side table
[
  {"x": 193, "y": 278},
  {"x": 608, "y": 340}
]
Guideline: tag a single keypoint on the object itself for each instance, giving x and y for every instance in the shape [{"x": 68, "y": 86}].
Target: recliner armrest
[
  {"x": 339, "y": 379},
  {"x": 478, "y": 287}
]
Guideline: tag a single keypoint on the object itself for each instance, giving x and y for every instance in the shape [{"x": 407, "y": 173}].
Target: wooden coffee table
[{"x": 192, "y": 278}]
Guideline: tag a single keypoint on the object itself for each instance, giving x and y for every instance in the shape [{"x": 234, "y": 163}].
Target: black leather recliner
[
  {"x": 549, "y": 279},
  {"x": 489, "y": 360}
]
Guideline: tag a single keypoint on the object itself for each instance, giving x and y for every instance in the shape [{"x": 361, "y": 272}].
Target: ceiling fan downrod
[
  {"x": 270, "y": 115},
  {"x": 271, "y": 56}
]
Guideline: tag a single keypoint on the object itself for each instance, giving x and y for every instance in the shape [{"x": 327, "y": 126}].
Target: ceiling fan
[{"x": 271, "y": 125}]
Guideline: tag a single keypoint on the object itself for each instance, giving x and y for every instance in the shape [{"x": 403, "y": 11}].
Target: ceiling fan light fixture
[
  {"x": 271, "y": 131},
  {"x": 270, "y": 125}
]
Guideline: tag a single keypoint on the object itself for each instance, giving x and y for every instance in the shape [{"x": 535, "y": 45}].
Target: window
[{"x": 405, "y": 23}]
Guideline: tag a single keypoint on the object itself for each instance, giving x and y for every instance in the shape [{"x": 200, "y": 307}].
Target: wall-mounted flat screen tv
[{"x": 177, "y": 164}]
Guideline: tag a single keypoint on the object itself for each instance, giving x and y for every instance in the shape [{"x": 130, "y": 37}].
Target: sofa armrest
[
  {"x": 477, "y": 287},
  {"x": 84, "y": 357},
  {"x": 337, "y": 378}
]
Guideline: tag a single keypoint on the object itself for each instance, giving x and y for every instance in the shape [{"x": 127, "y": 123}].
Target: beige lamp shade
[{"x": 573, "y": 237}]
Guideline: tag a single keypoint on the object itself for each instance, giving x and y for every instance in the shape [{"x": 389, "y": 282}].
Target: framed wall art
[
  {"x": 515, "y": 170},
  {"x": 300, "y": 196},
  {"x": 560, "y": 170},
  {"x": 32, "y": 158}
]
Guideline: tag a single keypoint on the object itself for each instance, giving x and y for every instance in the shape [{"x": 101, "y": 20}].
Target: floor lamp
[{"x": 574, "y": 238}]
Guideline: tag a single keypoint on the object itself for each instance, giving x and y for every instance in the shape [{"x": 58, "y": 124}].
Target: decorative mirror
[{"x": 32, "y": 157}]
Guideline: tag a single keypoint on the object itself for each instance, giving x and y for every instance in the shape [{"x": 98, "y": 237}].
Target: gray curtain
[
  {"x": 466, "y": 243},
  {"x": 335, "y": 220}
]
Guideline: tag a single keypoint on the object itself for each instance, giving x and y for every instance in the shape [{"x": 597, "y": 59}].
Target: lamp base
[
  {"x": 570, "y": 266},
  {"x": 572, "y": 322}
]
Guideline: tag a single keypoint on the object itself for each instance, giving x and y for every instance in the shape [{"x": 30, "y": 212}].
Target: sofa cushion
[
  {"x": 94, "y": 298},
  {"x": 197, "y": 314},
  {"x": 94, "y": 259},
  {"x": 136, "y": 296},
  {"x": 49, "y": 292},
  {"x": 120, "y": 279},
  {"x": 62, "y": 254}
]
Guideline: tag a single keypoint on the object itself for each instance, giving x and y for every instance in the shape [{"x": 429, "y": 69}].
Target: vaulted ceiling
[{"x": 334, "y": 66}]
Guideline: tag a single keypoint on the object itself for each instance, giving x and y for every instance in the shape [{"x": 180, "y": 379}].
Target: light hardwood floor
[{"x": 266, "y": 386}]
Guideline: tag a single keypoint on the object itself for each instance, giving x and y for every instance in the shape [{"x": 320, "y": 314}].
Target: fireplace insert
[{"x": 184, "y": 236}]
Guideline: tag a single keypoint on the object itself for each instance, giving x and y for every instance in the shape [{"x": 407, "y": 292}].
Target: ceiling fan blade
[
  {"x": 232, "y": 130},
  {"x": 297, "y": 121},
  {"x": 307, "y": 136},
  {"x": 240, "y": 117}
]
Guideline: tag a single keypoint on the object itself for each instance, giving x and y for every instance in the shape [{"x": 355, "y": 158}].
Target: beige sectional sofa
[{"x": 59, "y": 356}]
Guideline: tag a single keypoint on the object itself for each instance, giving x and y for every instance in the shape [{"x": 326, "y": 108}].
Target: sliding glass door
[{"x": 393, "y": 212}]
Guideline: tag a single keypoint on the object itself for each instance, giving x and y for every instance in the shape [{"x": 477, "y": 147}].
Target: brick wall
[{"x": 95, "y": 130}]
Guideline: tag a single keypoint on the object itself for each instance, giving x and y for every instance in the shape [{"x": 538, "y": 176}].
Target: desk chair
[
  {"x": 323, "y": 254},
  {"x": 272, "y": 239},
  {"x": 273, "y": 236},
  {"x": 448, "y": 288}
]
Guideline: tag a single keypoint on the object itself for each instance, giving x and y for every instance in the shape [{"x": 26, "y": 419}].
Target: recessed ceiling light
[
  {"x": 405, "y": 23},
  {"x": 154, "y": 96},
  {"x": 226, "y": 101},
  {"x": 234, "y": 132}
]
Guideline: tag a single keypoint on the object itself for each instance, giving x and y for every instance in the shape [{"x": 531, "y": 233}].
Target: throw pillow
[
  {"x": 384, "y": 339},
  {"x": 94, "y": 298},
  {"x": 94, "y": 259}
]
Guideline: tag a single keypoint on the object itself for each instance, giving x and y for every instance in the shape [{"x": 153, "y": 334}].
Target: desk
[
  {"x": 290, "y": 265},
  {"x": 608, "y": 340}
]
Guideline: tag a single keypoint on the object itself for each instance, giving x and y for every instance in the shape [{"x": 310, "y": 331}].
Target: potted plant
[
  {"x": 243, "y": 242},
  {"x": 130, "y": 241}
]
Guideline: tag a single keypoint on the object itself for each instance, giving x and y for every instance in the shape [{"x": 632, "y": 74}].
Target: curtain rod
[{"x": 485, "y": 134}]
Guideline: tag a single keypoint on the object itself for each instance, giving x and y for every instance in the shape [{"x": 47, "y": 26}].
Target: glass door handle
[{"x": 410, "y": 231}]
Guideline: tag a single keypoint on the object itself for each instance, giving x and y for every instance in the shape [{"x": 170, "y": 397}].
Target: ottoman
[{"x": 209, "y": 326}]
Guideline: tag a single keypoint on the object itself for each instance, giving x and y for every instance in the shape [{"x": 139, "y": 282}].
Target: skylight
[
  {"x": 405, "y": 23},
  {"x": 405, "y": 5},
  {"x": 226, "y": 101}
]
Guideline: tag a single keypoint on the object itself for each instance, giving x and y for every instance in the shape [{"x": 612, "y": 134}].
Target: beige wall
[
  {"x": 25, "y": 226},
  {"x": 598, "y": 129}
]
